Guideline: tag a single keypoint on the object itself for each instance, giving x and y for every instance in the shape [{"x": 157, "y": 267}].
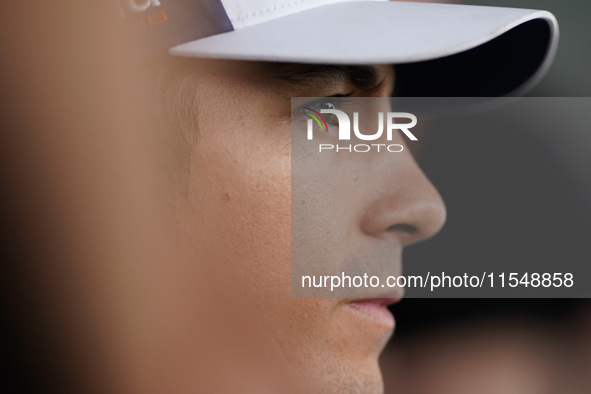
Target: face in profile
[{"x": 236, "y": 213}]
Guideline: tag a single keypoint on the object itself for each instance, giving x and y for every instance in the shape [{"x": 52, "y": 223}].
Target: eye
[
  {"x": 331, "y": 118},
  {"x": 318, "y": 118},
  {"x": 314, "y": 110}
]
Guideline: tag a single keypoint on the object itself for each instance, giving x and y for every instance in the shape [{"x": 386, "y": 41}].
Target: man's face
[{"x": 237, "y": 217}]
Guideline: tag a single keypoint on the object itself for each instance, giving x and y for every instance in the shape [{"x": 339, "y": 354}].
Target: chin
[
  {"x": 343, "y": 379},
  {"x": 349, "y": 361}
]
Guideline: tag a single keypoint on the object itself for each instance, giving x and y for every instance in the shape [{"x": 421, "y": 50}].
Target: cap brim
[{"x": 517, "y": 44}]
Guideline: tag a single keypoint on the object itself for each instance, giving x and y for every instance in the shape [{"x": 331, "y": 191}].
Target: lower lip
[{"x": 374, "y": 311}]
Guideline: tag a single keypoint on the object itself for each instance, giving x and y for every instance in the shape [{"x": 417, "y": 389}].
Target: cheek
[
  {"x": 239, "y": 204},
  {"x": 240, "y": 215}
]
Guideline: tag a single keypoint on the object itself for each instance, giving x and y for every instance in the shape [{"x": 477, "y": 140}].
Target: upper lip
[
  {"x": 386, "y": 297},
  {"x": 380, "y": 301}
]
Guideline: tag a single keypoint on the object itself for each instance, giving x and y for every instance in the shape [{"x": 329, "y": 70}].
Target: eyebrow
[{"x": 364, "y": 77}]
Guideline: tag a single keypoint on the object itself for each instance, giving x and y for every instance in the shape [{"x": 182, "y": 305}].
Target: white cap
[{"x": 486, "y": 51}]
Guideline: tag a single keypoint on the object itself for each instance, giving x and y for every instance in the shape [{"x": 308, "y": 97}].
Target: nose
[{"x": 406, "y": 205}]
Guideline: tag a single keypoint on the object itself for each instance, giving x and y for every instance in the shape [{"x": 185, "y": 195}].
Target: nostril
[{"x": 402, "y": 227}]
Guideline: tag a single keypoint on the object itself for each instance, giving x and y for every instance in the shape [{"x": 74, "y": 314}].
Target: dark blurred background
[{"x": 527, "y": 197}]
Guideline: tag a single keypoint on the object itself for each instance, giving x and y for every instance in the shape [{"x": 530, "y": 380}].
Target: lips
[
  {"x": 385, "y": 302},
  {"x": 374, "y": 309}
]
